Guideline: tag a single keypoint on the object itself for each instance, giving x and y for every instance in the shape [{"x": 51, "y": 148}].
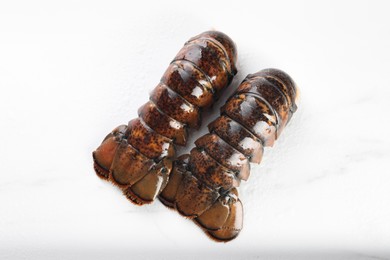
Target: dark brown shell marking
[{"x": 138, "y": 157}]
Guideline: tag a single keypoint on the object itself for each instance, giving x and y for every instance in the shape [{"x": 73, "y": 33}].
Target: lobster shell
[
  {"x": 138, "y": 157},
  {"x": 203, "y": 184}
]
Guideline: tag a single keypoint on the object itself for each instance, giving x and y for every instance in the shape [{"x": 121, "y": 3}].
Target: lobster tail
[
  {"x": 203, "y": 184},
  {"x": 138, "y": 157}
]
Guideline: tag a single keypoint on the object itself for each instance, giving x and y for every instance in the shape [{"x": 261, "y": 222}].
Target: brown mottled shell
[
  {"x": 203, "y": 184},
  {"x": 138, "y": 157}
]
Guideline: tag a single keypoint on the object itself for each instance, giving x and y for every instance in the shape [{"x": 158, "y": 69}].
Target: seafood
[
  {"x": 203, "y": 184},
  {"x": 137, "y": 157}
]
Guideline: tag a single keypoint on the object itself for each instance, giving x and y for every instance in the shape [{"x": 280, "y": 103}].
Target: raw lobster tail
[
  {"x": 138, "y": 157},
  {"x": 203, "y": 184}
]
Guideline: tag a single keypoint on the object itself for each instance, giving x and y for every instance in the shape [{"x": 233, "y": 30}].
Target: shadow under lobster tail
[
  {"x": 203, "y": 184},
  {"x": 138, "y": 157}
]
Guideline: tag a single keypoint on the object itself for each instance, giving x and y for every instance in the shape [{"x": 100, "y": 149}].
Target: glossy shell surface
[
  {"x": 203, "y": 184},
  {"x": 137, "y": 157}
]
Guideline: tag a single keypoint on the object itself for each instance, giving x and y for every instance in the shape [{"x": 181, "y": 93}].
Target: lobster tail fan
[{"x": 223, "y": 221}]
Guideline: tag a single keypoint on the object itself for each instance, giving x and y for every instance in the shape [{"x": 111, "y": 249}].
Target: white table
[{"x": 70, "y": 72}]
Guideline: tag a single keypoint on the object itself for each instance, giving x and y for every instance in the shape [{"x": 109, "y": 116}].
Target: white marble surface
[{"x": 71, "y": 71}]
